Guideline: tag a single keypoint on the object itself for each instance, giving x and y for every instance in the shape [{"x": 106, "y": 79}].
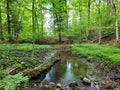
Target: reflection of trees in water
[
  {"x": 67, "y": 70},
  {"x": 60, "y": 69},
  {"x": 80, "y": 68}
]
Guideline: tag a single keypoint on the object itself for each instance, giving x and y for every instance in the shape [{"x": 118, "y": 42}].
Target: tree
[
  {"x": 1, "y": 32},
  {"x": 99, "y": 14},
  {"x": 8, "y": 20},
  {"x": 60, "y": 16},
  {"x": 33, "y": 24},
  {"x": 87, "y": 30},
  {"x": 116, "y": 17}
]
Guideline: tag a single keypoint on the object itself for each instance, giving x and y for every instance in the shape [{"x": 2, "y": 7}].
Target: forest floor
[
  {"x": 104, "y": 58},
  {"x": 112, "y": 77},
  {"x": 21, "y": 60}
]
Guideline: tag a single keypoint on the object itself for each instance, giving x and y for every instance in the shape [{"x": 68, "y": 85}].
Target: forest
[{"x": 59, "y": 45}]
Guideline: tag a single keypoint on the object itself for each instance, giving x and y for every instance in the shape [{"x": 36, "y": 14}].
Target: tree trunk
[
  {"x": 99, "y": 14},
  {"x": 1, "y": 32},
  {"x": 116, "y": 23},
  {"x": 87, "y": 30},
  {"x": 8, "y": 21},
  {"x": 33, "y": 24},
  {"x": 42, "y": 31},
  {"x": 41, "y": 19},
  {"x": 60, "y": 37},
  {"x": 117, "y": 30},
  {"x": 109, "y": 7},
  {"x": 66, "y": 12}
]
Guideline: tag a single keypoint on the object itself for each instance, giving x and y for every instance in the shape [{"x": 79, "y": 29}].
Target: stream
[
  {"x": 64, "y": 72},
  {"x": 68, "y": 70}
]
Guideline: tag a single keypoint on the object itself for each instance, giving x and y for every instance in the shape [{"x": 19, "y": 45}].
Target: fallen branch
[
  {"x": 10, "y": 70},
  {"x": 33, "y": 73}
]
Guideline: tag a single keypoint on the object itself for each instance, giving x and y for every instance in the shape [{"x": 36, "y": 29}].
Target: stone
[
  {"x": 58, "y": 89},
  {"x": 73, "y": 84},
  {"x": 96, "y": 82},
  {"x": 23, "y": 63},
  {"x": 47, "y": 87},
  {"x": 52, "y": 84},
  {"x": 86, "y": 81},
  {"x": 81, "y": 88},
  {"x": 58, "y": 85}
]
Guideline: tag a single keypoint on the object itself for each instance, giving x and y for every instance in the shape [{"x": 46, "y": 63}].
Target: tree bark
[
  {"x": 117, "y": 30},
  {"x": 99, "y": 14},
  {"x": 1, "y": 32},
  {"x": 41, "y": 19},
  {"x": 60, "y": 37},
  {"x": 116, "y": 22},
  {"x": 109, "y": 7},
  {"x": 66, "y": 12},
  {"x": 87, "y": 30},
  {"x": 8, "y": 21},
  {"x": 33, "y": 24}
]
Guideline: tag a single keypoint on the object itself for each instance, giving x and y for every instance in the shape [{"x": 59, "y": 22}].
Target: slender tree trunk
[
  {"x": 99, "y": 14},
  {"x": 117, "y": 30},
  {"x": 33, "y": 24},
  {"x": 1, "y": 32},
  {"x": 42, "y": 31},
  {"x": 60, "y": 37},
  {"x": 33, "y": 17},
  {"x": 66, "y": 12},
  {"x": 41, "y": 19},
  {"x": 116, "y": 23},
  {"x": 109, "y": 7},
  {"x": 87, "y": 30},
  {"x": 8, "y": 21}
]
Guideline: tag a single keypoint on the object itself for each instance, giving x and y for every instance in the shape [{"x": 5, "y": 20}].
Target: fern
[{"x": 11, "y": 81}]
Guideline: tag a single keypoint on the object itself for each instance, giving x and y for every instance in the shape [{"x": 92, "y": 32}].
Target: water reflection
[{"x": 66, "y": 71}]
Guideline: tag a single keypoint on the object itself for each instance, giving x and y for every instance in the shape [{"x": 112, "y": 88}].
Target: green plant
[
  {"x": 103, "y": 53},
  {"x": 11, "y": 81},
  {"x": 2, "y": 73},
  {"x": 17, "y": 65}
]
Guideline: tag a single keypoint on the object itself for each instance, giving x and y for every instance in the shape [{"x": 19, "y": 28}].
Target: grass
[
  {"x": 24, "y": 47},
  {"x": 103, "y": 53},
  {"x": 14, "y": 54}
]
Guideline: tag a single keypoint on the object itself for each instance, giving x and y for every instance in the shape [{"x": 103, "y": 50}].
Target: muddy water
[{"x": 68, "y": 70}]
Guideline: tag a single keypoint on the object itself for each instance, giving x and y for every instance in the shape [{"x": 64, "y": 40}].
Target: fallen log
[{"x": 35, "y": 72}]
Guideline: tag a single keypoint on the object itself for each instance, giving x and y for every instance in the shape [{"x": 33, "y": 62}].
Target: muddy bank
[
  {"x": 109, "y": 73},
  {"x": 21, "y": 60}
]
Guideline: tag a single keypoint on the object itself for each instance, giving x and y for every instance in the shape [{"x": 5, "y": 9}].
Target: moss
[{"x": 32, "y": 73}]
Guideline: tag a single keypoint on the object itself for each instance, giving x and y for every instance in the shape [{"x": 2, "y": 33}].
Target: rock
[
  {"x": 73, "y": 84},
  {"x": 86, "y": 81},
  {"x": 52, "y": 84},
  {"x": 81, "y": 77},
  {"x": 23, "y": 63},
  {"x": 81, "y": 88},
  {"x": 47, "y": 87},
  {"x": 58, "y": 89},
  {"x": 58, "y": 85},
  {"x": 96, "y": 83},
  {"x": 109, "y": 87}
]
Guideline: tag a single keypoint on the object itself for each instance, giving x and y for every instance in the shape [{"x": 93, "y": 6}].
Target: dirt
[
  {"x": 111, "y": 75},
  {"x": 39, "y": 55}
]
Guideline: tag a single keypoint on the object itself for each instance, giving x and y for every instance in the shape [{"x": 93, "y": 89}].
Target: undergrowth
[{"x": 102, "y": 53}]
